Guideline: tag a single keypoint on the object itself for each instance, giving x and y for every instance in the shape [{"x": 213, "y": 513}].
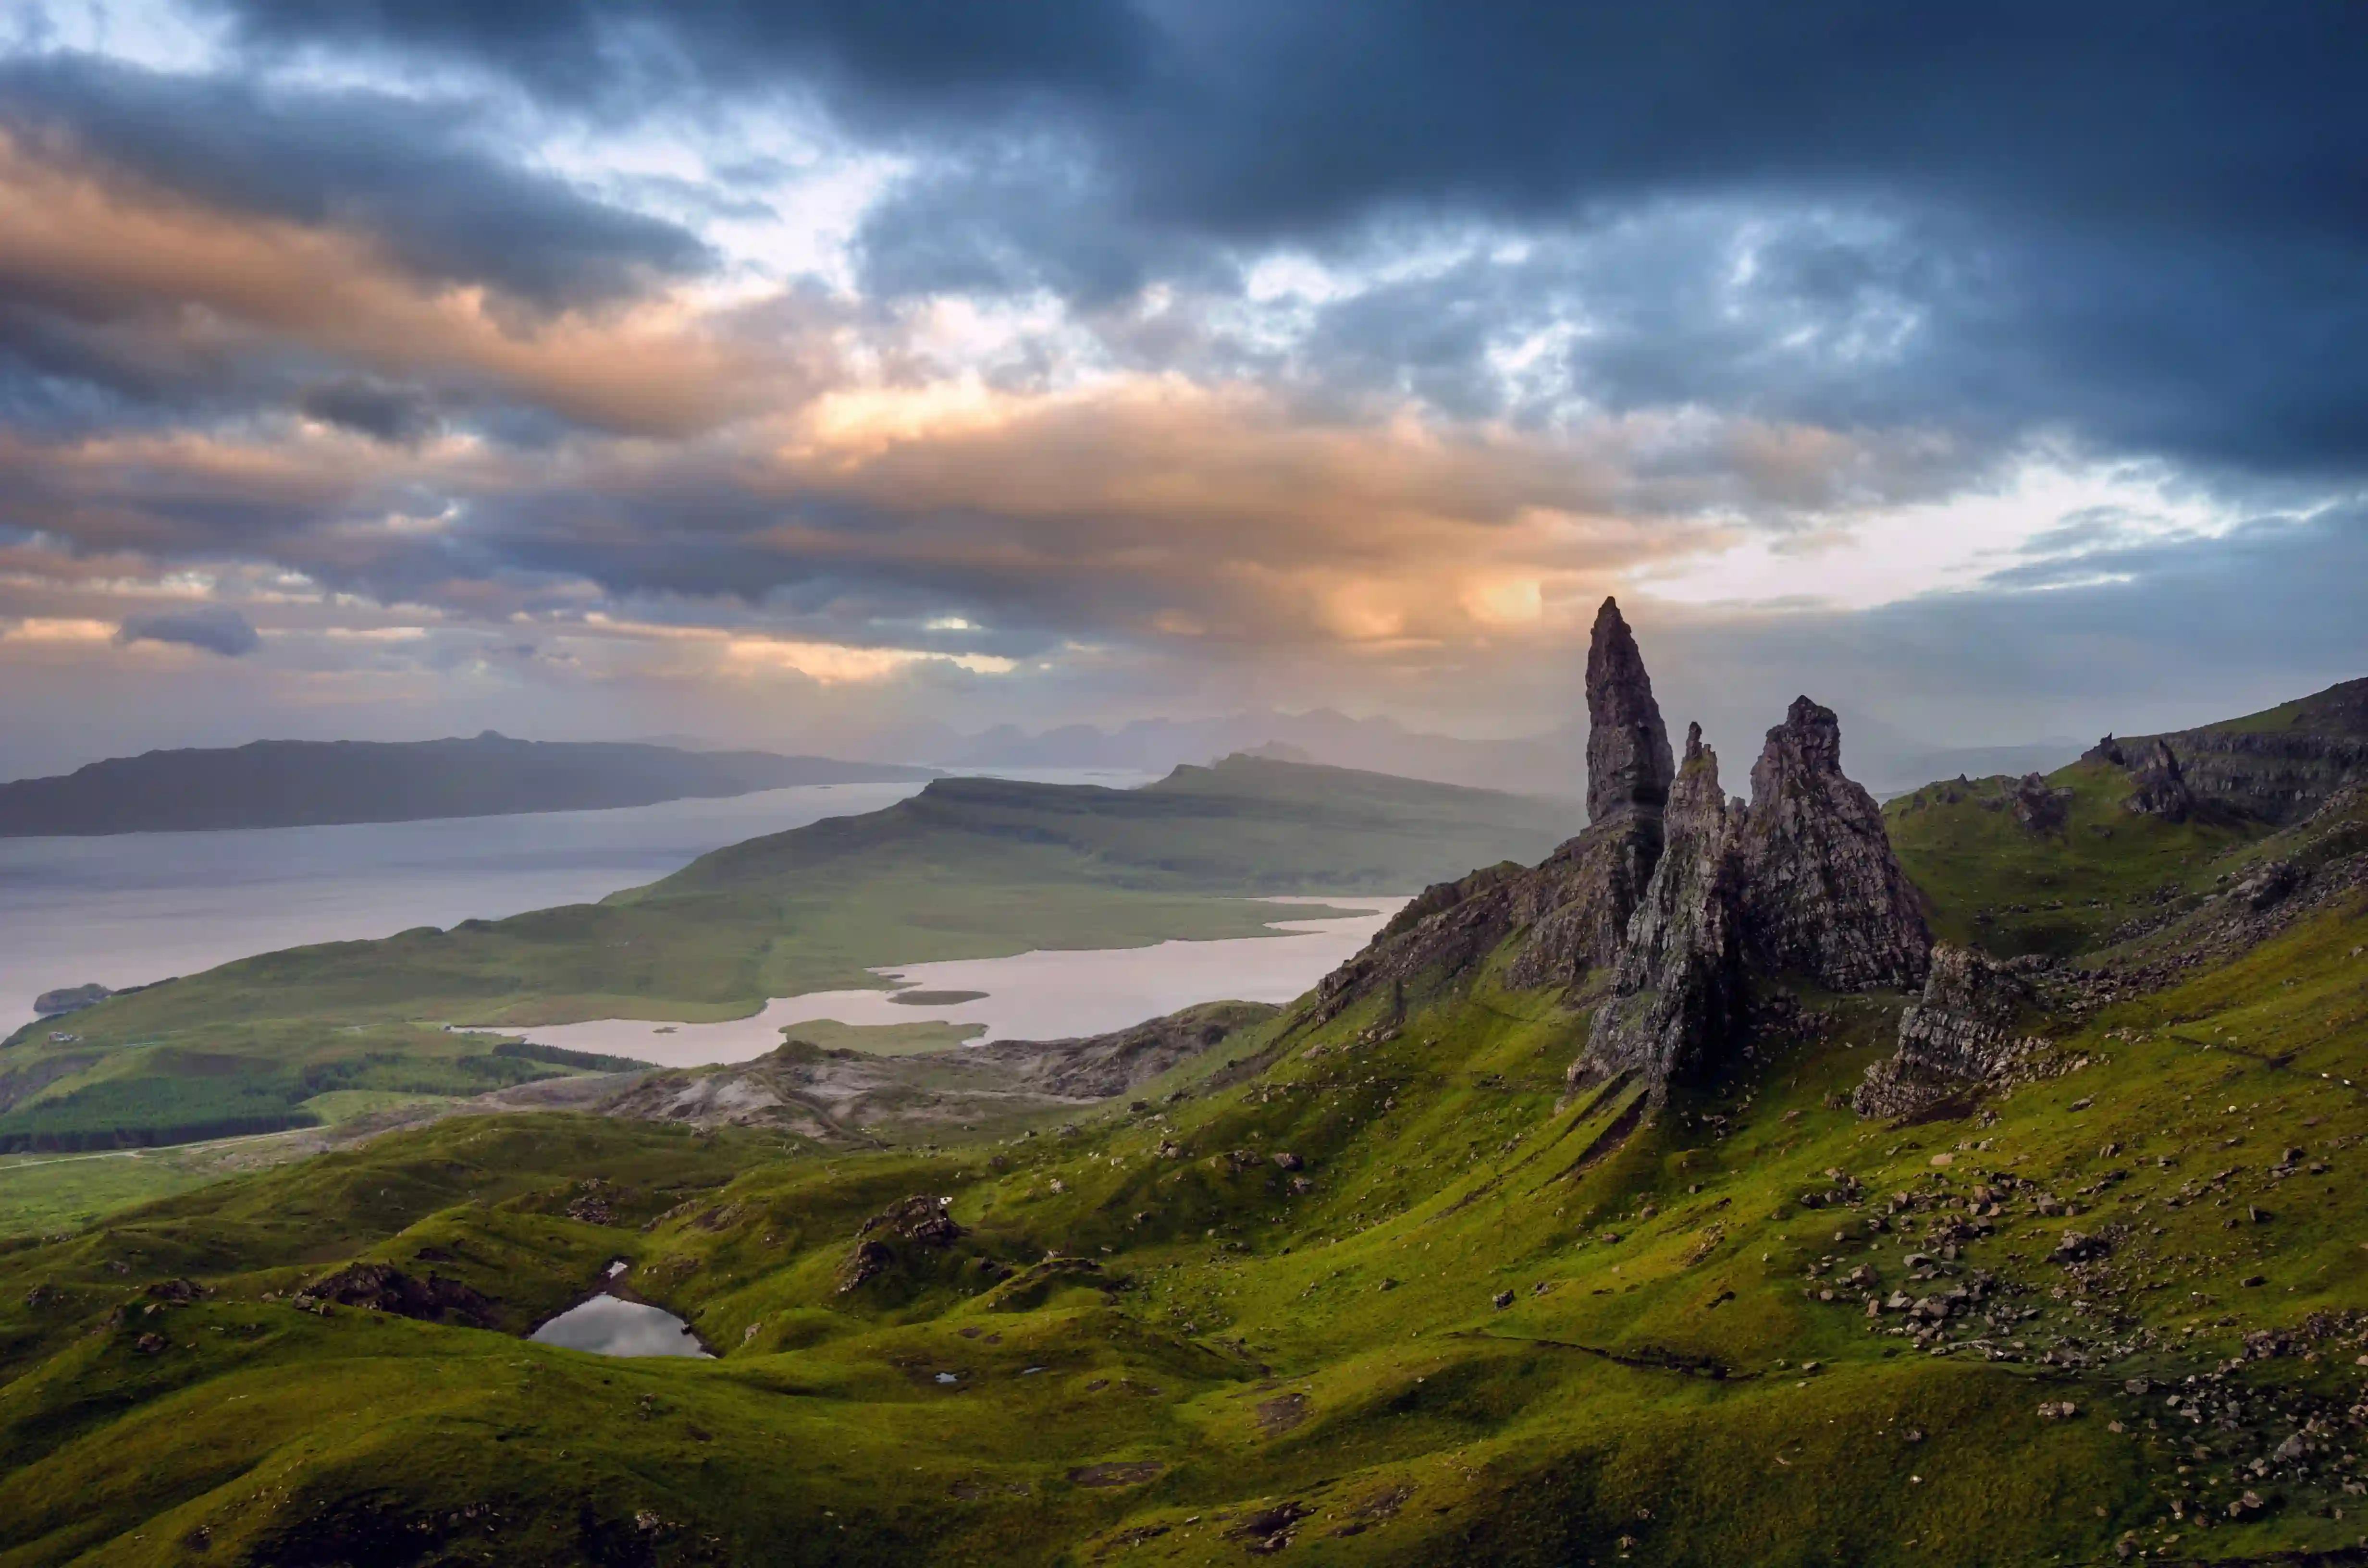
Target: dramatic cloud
[
  {"x": 1089, "y": 360},
  {"x": 215, "y": 629}
]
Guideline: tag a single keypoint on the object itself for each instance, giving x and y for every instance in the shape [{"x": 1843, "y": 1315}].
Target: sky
[{"x": 843, "y": 375}]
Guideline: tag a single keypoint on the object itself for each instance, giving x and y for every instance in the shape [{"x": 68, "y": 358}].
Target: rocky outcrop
[
  {"x": 1678, "y": 993},
  {"x": 69, "y": 999},
  {"x": 2160, "y": 787},
  {"x": 848, "y": 1097},
  {"x": 1628, "y": 764},
  {"x": 1822, "y": 895},
  {"x": 1575, "y": 906},
  {"x": 1100, "y": 1066},
  {"x": 1961, "y": 1033},
  {"x": 1578, "y": 905},
  {"x": 917, "y": 1225},
  {"x": 2039, "y": 808},
  {"x": 380, "y": 1287}
]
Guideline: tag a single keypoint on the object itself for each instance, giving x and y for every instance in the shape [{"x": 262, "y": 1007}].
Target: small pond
[{"x": 610, "y": 1325}]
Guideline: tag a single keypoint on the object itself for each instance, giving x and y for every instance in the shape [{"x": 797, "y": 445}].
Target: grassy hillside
[
  {"x": 968, "y": 869},
  {"x": 1992, "y": 882},
  {"x": 1370, "y": 1293}
]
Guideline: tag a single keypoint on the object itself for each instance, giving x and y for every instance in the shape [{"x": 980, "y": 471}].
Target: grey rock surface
[
  {"x": 2161, "y": 786},
  {"x": 1628, "y": 763},
  {"x": 1678, "y": 993},
  {"x": 1960, "y": 1032},
  {"x": 1823, "y": 896}
]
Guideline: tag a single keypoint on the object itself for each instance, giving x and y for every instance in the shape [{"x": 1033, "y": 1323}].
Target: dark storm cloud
[
  {"x": 2142, "y": 222},
  {"x": 419, "y": 177},
  {"x": 215, "y": 629},
  {"x": 921, "y": 50},
  {"x": 396, "y": 414}
]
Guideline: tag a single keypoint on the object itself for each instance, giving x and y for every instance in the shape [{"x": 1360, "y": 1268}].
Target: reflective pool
[{"x": 610, "y": 1325}]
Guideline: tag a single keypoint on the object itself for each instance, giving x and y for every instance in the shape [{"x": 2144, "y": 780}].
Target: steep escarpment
[{"x": 2276, "y": 767}]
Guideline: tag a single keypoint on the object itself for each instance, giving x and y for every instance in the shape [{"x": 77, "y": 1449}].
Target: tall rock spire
[
  {"x": 1628, "y": 763},
  {"x": 1678, "y": 994}
]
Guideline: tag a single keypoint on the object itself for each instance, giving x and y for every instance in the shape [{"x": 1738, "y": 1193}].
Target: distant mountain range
[
  {"x": 309, "y": 783},
  {"x": 1554, "y": 763}
]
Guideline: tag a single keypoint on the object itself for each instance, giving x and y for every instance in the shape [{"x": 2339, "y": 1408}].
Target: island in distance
[{"x": 314, "y": 783}]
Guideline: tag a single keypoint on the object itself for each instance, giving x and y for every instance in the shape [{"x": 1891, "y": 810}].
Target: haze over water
[{"x": 132, "y": 908}]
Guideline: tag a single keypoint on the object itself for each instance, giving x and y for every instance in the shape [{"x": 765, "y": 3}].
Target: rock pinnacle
[{"x": 1628, "y": 762}]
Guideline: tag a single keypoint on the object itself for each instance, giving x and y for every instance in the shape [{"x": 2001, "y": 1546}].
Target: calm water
[
  {"x": 1035, "y": 995},
  {"x": 609, "y": 1325},
  {"x": 136, "y": 907}
]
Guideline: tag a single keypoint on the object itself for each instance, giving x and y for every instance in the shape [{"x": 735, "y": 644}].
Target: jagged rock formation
[
  {"x": 1677, "y": 995},
  {"x": 1576, "y": 905},
  {"x": 1673, "y": 894},
  {"x": 2039, "y": 808},
  {"x": 1628, "y": 765},
  {"x": 1823, "y": 896},
  {"x": 2161, "y": 788},
  {"x": 1961, "y": 1033}
]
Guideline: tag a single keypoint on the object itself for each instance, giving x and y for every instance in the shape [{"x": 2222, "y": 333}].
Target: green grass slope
[
  {"x": 1371, "y": 1292},
  {"x": 1991, "y": 882}
]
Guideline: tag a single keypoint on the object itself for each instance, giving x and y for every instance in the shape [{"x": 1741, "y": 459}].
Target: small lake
[
  {"x": 1033, "y": 995},
  {"x": 610, "y": 1325}
]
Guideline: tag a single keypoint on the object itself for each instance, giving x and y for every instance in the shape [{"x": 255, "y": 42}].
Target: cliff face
[
  {"x": 2278, "y": 767},
  {"x": 1961, "y": 1032},
  {"x": 1823, "y": 895}
]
